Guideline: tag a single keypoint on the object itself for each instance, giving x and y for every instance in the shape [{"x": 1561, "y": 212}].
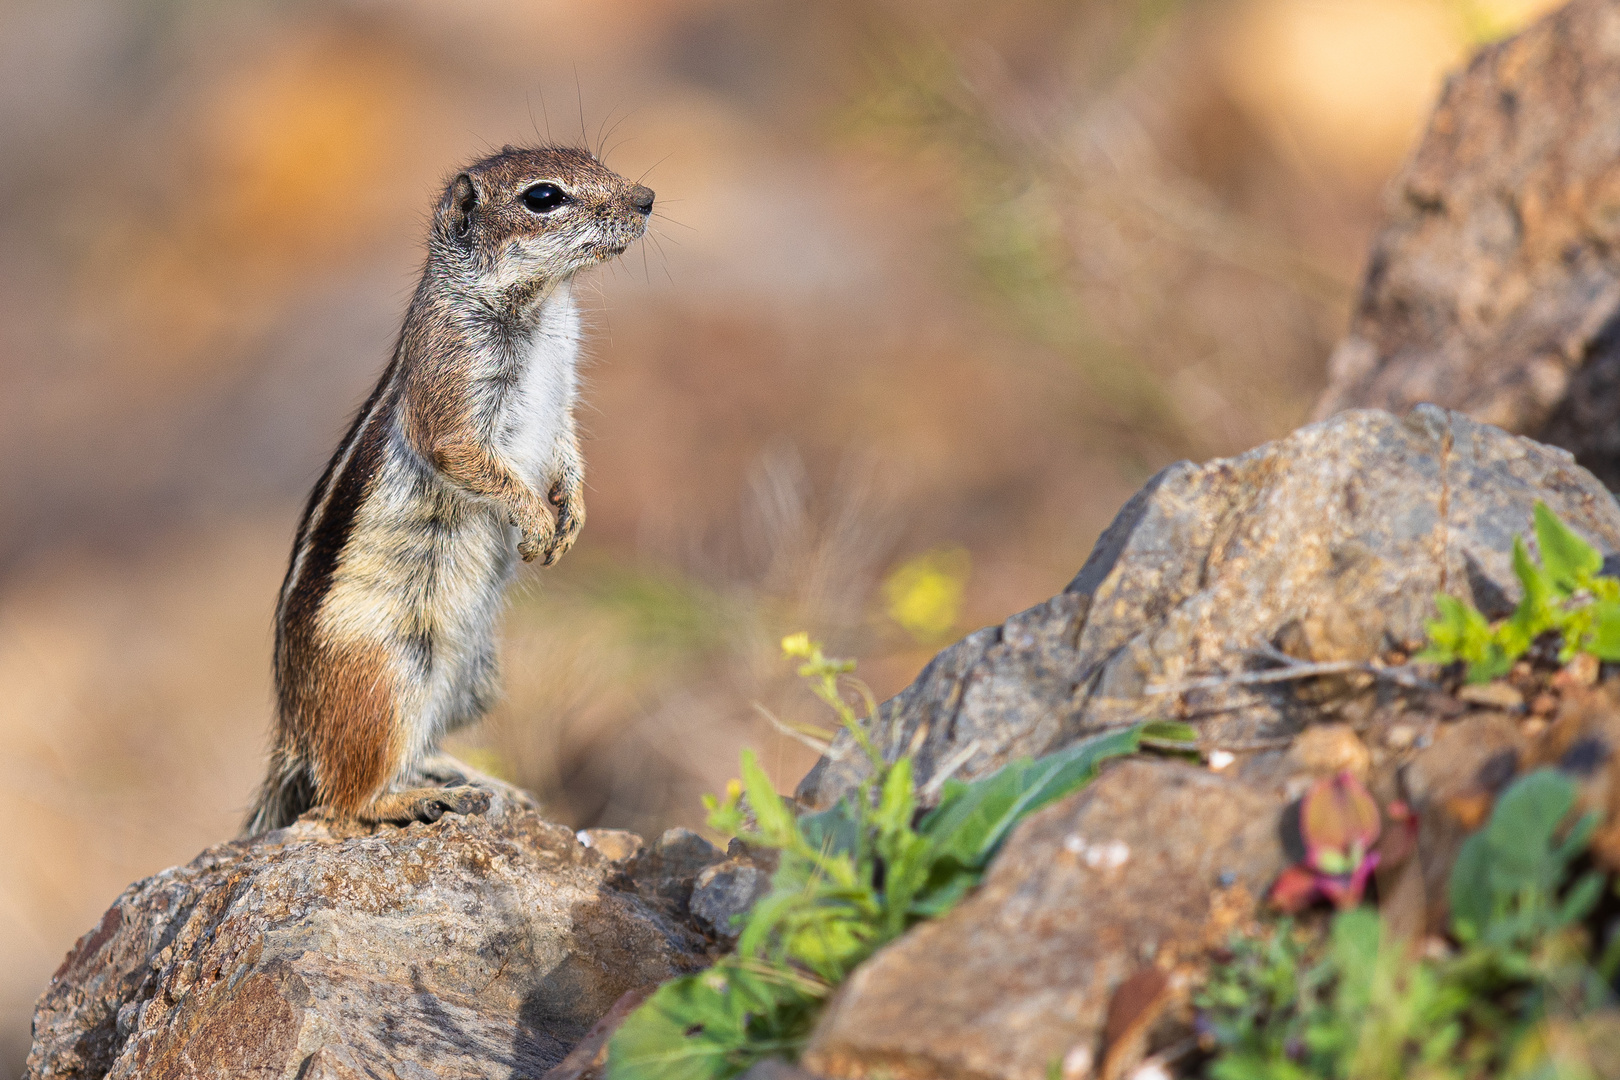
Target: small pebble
[
  {"x": 1400, "y": 736},
  {"x": 1220, "y": 759},
  {"x": 1329, "y": 749},
  {"x": 1544, "y": 704},
  {"x": 1109, "y": 856}
]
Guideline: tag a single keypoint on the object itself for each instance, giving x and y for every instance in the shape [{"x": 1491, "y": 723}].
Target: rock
[
  {"x": 725, "y": 890},
  {"x": 1582, "y": 742},
  {"x": 479, "y": 946},
  {"x": 1330, "y": 543},
  {"x": 1452, "y": 785},
  {"x": 1494, "y": 286},
  {"x": 665, "y": 873},
  {"x": 616, "y": 845},
  {"x": 1328, "y": 749},
  {"x": 1151, "y": 865},
  {"x": 588, "y": 1059}
]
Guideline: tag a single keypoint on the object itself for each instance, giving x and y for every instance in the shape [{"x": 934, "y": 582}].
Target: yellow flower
[
  {"x": 924, "y": 594},
  {"x": 798, "y": 644}
]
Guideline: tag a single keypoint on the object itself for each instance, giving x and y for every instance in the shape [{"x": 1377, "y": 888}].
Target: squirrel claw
[
  {"x": 425, "y": 804},
  {"x": 531, "y": 549},
  {"x": 570, "y": 519}
]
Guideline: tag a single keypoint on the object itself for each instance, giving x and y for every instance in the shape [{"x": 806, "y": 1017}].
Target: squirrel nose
[{"x": 642, "y": 198}]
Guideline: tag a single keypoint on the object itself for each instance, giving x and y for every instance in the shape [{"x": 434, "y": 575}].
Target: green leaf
[
  {"x": 775, "y": 820},
  {"x": 1460, "y": 633},
  {"x": 1469, "y": 890},
  {"x": 936, "y": 898},
  {"x": 1536, "y": 613},
  {"x": 834, "y": 830},
  {"x": 973, "y": 819},
  {"x": 706, "y": 1026},
  {"x": 1497, "y": 661},
  {"x": 1173, "y": 736},
  {"x": 1503, "y": 885},
  {"x": 897, "y": 799},
  {"x": 1355, "y": 938},
  {"x": 831, "y": 939},
  {"x": 1569, "y": 561},
  {"x": 1582, "y": 897},
  {"x": 1603, "y": 640},
  {"x": 1522, "y": 826}
]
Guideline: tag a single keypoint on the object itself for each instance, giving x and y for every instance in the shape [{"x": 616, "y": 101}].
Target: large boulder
[
  {"x": 474, "y": 947},
  {"x": 1329, "y": 544},
  {"x": 1494, "y": 286}
]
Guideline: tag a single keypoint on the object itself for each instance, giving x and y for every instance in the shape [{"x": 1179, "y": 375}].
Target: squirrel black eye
[{"x": 544, "y": 198}]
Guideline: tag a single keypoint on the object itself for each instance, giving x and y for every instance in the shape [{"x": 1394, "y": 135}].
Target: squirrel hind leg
[{"x": 424, "y": 804}]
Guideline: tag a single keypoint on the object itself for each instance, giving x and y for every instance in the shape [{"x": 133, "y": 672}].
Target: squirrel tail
[{"x": 287, "y": 792}]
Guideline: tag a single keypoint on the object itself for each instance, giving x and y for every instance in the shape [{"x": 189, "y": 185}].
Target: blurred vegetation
[{"x": 1522, "y": 989}]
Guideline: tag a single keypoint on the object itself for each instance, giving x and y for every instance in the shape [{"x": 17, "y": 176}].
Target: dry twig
[{"x": 1293, "y": 668}]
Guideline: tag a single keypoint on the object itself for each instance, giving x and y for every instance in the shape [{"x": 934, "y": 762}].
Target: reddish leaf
[
  {"x": 1296, "y": 887},
  {"x": 1339, "y": 821}
]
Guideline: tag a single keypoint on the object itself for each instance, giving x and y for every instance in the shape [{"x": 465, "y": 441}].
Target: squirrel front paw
[
  {"x": 536, "y": 532},
  {"x": 569, "y": 499}
]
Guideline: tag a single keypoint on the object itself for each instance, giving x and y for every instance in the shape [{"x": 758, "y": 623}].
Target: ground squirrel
[{"x": 463, "y": 458}]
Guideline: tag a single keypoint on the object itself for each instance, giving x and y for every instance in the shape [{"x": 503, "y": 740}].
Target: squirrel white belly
[{"x": 463, "y": 459}]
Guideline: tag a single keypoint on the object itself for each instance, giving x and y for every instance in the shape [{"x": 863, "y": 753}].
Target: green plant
[
  {"x": 1564, "y": 592},
  {"x": 851, "y": 878},
  {"x": 1355, "y": 1006}
]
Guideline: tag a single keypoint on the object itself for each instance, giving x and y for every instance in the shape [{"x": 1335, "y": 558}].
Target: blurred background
[{"x": 932, "y": 288}]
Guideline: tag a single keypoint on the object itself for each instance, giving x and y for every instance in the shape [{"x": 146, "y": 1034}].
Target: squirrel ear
[{"x": 458, "y": 204}]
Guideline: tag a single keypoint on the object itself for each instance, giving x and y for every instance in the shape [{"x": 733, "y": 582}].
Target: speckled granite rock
[
  {"x": 1494, "y": 287},
  {"x": 473, "y": 947},
  {"x": 1148, "y": 867},
  {"x": 1329, "y": 543}
]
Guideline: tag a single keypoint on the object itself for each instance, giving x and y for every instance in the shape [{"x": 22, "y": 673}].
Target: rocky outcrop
[
  {"x": 1494, "y": 286},
  {"x": 1329, "y": 544},
  {"x": 472, "y": 947}
]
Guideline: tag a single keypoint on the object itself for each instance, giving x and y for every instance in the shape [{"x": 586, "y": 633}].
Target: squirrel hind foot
[{"x": 427, "y": 804}]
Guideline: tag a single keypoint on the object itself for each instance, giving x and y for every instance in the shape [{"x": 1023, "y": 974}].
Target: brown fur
[{"x": 357, "y": 740}]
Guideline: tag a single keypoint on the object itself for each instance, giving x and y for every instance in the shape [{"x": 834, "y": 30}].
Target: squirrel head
[{"x": 526, "y": 218}]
